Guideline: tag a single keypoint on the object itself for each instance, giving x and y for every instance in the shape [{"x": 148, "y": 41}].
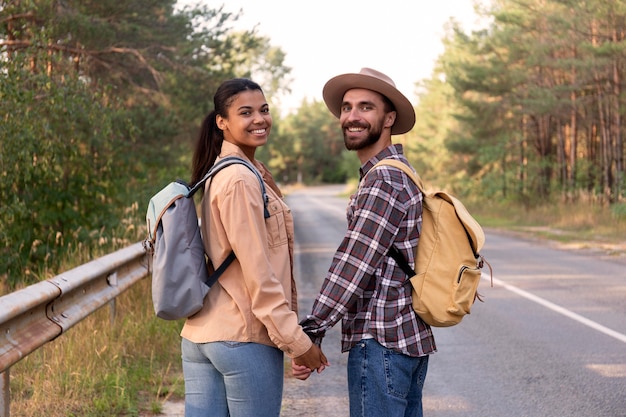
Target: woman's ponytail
[{"x": 208, "y": 147}]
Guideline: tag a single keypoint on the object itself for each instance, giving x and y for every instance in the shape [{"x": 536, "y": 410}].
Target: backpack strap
[
  {"x": 393, "y": 251},
  {"x": 403, "y": 167},
  {"x": 402, "y": 263},
  {"x": 476, "y": 241},
  {"x": 220, "y": 270},
  {"x": 223, "y": 163},
  {"x": 217, "y": 167}
]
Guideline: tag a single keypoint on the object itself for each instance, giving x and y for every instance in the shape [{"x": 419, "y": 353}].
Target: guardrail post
[
  {"x": 112, "y": 312},
  {"x": 112, "y": 280},
  {"x": 5, "y": 394}
]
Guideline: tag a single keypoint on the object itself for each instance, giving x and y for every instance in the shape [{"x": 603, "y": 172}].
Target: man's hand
[{"x": 313, "y": 358}]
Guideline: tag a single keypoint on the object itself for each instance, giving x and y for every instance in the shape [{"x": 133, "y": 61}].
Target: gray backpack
[{"x": 180, "y": 276}]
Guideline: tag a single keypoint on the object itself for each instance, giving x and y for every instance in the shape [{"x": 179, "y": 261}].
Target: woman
[{"x": 232, "y": 349}]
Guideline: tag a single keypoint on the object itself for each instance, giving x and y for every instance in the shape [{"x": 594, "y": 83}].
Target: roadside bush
[{"x": 60, "y": 170}]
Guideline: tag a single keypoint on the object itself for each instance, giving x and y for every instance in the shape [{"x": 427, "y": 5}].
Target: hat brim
[{"x": 336, "y": 87}]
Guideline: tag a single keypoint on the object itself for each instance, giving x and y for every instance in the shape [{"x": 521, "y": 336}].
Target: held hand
[
  {"x": 313, "y": 358},
  {"x": 300, "y": 371}
]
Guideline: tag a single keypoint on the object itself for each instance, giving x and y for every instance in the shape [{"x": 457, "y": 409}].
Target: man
[{"x": 388, "y": 343}]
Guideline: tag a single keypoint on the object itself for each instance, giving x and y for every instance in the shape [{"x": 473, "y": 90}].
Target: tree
[
  {"x": 99, "y": 99},
  {"x": 59, "y": 161},
  {"x": 540, "y": 90},
  {"x": 315, "y": 145}
]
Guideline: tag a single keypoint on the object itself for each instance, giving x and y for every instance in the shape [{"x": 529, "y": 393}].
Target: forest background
[{"x": 100, "y": 102}]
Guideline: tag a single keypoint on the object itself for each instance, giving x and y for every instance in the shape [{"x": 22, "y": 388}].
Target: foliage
[
  {"x": 526, "y": 109},
  {"x": 311, "y": 146},
  {"x": 618, "y": 211},
  {"x": 59, "y": 165},
  {"x": 540, "y": 99},
  {"x": 99, "y": 102}
]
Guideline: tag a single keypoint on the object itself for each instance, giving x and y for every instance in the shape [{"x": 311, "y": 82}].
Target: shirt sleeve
[
  {"x": 247, "y": 235},
  {"x": 372, "y": 226}
]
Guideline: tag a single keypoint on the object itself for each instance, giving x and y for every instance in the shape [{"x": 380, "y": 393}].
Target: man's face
[{"x": 362, "y": 118}]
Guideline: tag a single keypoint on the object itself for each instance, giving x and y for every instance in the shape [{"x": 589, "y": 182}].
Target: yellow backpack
[{"x": 448, "y": 264}]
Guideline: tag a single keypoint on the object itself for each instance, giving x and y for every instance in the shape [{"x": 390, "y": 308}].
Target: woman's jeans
[
  {"x": 383, "y": 382},
  {"x": 233, "y": 379}
]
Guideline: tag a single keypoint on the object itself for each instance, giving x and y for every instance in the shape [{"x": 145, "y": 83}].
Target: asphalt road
[
  {"x": 549, "y": 340},
  {"x": 319, "y": 222}
]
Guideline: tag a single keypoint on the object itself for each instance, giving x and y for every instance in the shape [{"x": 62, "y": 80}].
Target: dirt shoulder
[{"x": 598, "y": 247}]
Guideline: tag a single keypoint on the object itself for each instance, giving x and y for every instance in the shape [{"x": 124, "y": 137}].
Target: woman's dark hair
[{"x": 211, "y": 137}]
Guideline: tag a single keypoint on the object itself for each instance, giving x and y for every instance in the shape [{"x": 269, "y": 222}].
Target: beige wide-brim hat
[{"x": 370, "y": 79}]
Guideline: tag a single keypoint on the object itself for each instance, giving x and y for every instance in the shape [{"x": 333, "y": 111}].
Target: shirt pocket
[{"x": 275, "y": 224}]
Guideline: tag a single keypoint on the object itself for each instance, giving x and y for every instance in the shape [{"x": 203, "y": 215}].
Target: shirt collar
[
  {"x": 230, "y": 149},
  {"x": 390, "y": 151}
]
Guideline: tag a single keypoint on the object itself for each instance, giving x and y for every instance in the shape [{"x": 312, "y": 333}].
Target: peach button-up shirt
[{"x": 255, "y": 298}]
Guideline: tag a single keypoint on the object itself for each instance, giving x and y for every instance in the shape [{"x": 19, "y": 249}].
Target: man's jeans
[
  {"x": 232, "y": 379},
  {"x": 383, "y": 382}
]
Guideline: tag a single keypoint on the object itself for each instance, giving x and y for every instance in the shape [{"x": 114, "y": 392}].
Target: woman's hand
[
  {"x": 313, "y": 358},
  {"x": 300, "y": 371}
]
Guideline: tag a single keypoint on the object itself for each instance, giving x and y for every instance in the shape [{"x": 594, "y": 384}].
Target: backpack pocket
[{"x": 465, "y": 289}]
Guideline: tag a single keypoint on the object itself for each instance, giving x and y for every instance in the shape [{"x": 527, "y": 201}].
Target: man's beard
[{"x": 357, "y": 145}]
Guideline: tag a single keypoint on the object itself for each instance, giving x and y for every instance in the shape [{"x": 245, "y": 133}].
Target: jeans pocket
[{"x": 398, "y": 373}]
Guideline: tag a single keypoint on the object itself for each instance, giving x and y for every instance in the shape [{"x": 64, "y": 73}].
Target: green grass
[
  {"x": 127, "y": 366},
  {"x": 582, "y": 223},
  {"x": 103, "y": 369}
]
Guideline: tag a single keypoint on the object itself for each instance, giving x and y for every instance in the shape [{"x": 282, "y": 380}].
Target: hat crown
[{"x": 377, "y": 74}]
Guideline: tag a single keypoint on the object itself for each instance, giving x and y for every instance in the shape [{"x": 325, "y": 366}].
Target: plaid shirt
[{"x": 364, "y": 287}]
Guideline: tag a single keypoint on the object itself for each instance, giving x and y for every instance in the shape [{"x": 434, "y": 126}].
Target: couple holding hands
[{"x": 232, "y": 350}]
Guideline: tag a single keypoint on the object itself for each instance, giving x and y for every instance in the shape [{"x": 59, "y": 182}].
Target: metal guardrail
[{"x": 36, "y": 315}]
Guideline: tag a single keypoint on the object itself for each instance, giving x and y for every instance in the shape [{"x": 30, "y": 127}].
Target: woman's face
[{"x": 248, "y": 123}]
